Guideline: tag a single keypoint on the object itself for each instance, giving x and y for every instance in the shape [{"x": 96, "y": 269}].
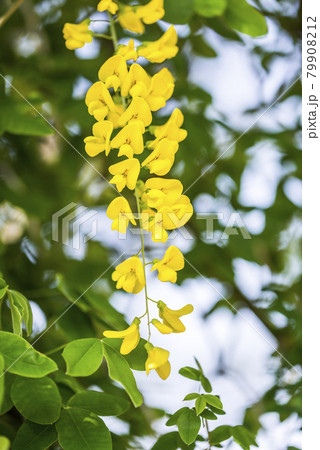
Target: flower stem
[
  {"x": 104, "y": 36},
  {"x": 113, "y": 32},
  {"x": 144, "y": 263},
  {"x": 10, "y": 11}
]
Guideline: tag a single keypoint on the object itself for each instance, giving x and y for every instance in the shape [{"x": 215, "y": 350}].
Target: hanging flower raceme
[
  {"x": 76, "y": 35},
  {"x": 162, "y": 49},
  {"x": 100, "y": 141},
  {"x": 125, "y": 173},
  {"x": 168, "y": 266},
  {"x": 122, "y": 103},
  {"x": 158, "y": 360},
  {"x": 171, "y": 318},
  {"x": 130, "y": 336},
  {"x": 120, "y": 212},
  {"x": 129, "y": 275}
]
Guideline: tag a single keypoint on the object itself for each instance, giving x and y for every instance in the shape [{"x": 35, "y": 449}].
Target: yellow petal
[{"x": 164, "y": 329}]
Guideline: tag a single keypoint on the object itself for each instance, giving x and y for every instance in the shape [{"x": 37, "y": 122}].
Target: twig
[{"x": 10, "y": 11}]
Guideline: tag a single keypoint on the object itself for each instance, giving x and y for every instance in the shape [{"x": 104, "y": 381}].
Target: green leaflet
[
  {"x": 32, "y": 436},
  {"x": 82, "y": 430},
  {"x": 100, "y": 403},
  {"x": 83, "y": 357},
  {"x": 22, "y": 359},
  {"x": 119, "y": 370},
  {"x": 37, "y": 399},
  {"x": 245, "y": 18},
  {"x": 189, "y": 425}
]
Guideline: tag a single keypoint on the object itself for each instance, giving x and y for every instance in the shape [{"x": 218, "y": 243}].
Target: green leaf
[
  {"x": 201, "y": 48},
  {"x": 209, "y": 8},
  {"x": 190, "y": 372},
  {"x": 220, "y": 434},
  {"x": 32, "y": 436},
  {"x": 2, "y": 379},
  {"x": 16, "y": 316},
  {"x": 178, "y": 11},
  {"x": 21, "y": 118},
  {"x": 22, "y": 359},
  {"x": 205, "y": 383},
  {"x": 20, "y": 303},
  {"x": 191, "y": 396},
  {"x": 189, "y": 425},
  {"x": 137, "y": 358},
  {"x": 7, "y": 403},
  {"x": 213, "y": 400},
  {"x": 243, "y": 17},
  {"x": 4, "y": 443},
  {"x": 200, "y": 405},
  {"x": 218, "y": 411},
  {"x": 37, "y": 400},
  {"x": 173, "y": 419},
  {"x": 243, "y": 437},
  {"x": 100, "y": 403},
  {"x": 208, "y": 414},
  {"x": 82, "y": 430},
  {"x": 3, "y": 288},
  {"x": 120, "y": 371},
  {"x": 83, "y": 357},
  {"x": 170, "y": 441}
]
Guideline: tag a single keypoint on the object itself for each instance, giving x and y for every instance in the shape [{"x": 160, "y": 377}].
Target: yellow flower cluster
[{"x": 123, "y": 102}]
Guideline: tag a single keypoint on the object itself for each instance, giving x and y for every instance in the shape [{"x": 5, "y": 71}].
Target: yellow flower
[
  {"x": 76, "y": 35},
  {"x": 177, "y": 214},
  {"x": 162, "y": 49},
  {"x": 151, "y": 12},
  {"x": 125, "y": 173},
  {"x": 120, "y": 212},
  {"x": 130, "y": 336},
  {"x": 113, "y": 71},
  {"x": 99, "y": 101},
  {"x": 129, "y": 19},
  {"x": 114, "y": 115},
  {"x": 137, "y": 110},
  {"x": 100, "y": 141},
  {"x": 107, "y": 5},
  {"x": 161, "y": 159},
  {"x": 136, "y": 82},
  {"x": 168, "y": 266},
  {"x": 176, "y": 118},
  {"x": 154, "y": 223},
  {"x": 171, "y": 318},
  {"x": 129, "y": 275},
  {"x": 129, "y": 140},
  {"x": 158, "y": 360},
  {"x": 128, "y": 51},
  {"x": 159, "y": 191},
  {"x": 161, "y": 89}
]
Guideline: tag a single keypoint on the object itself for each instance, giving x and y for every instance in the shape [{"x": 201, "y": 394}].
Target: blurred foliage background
[{"x": 44, "y": 169}]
